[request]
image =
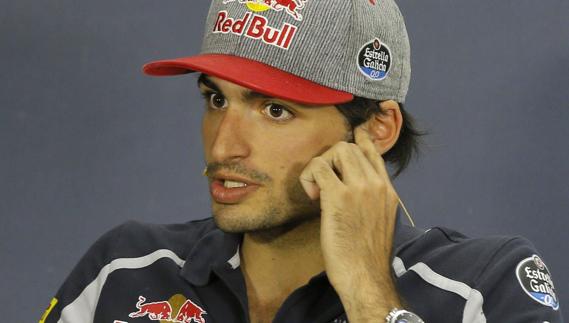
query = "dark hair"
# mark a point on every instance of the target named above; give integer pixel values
(407, 146)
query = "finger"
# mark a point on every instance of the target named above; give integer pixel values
(365, 164)
(343, 158)
(317, 176)
(363, 139)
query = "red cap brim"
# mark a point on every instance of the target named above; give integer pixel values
(251, 74)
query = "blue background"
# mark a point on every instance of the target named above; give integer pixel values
(87, 141)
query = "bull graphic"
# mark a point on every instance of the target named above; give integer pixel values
(190, 312)
(292, 7)
(155, 311)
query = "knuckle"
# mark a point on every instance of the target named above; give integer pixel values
(377, 183)
(313, 165)
(382, 187)
(343, 147)
(320, 165)
(336, 160)
(391, 193)
(344, 193)
(360, 187)
(356, 149)
(318, 161)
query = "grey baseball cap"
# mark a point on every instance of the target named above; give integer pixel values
(307, 51)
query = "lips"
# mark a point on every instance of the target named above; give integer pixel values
(238, 190)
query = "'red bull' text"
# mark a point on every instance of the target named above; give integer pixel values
(256, 27)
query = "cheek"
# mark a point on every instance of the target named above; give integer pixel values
(208, 133)
(301, 141)
(288, 155)
(282, 150)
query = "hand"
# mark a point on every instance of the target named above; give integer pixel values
(358, 205)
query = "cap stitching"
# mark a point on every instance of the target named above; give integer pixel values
(347, 73)
(402, 45)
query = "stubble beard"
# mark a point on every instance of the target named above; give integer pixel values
(277, 214)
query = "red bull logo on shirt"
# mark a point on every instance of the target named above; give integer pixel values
(190, 312)
(291, 7)
(161, 311)
(156, 311)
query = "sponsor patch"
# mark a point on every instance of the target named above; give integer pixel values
(374, 60)
(535, 279)
(256, 27)
(163, 311)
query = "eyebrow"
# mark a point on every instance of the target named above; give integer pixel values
(205, 80)
(252, 95)
(246, 96)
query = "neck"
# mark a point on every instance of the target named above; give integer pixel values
(277, 262)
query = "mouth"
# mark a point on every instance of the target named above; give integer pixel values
(233, 184)
(231, 189)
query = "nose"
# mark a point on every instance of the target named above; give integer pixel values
(231, 142)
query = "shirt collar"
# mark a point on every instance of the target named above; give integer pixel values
(218, 249)
(214, 249)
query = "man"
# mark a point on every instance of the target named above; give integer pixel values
(303, 103)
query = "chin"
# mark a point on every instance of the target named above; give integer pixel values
(267, 225)
(240, 219)
(242, 222)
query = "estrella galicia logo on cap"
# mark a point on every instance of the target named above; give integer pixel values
(374, 60)
(535, 279)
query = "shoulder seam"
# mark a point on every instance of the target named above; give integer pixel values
(83, 308)
(473, 311)
(507, 241)
(116, 242)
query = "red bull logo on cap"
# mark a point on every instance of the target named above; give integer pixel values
(256, 27)
(292, 7)
(189, 312)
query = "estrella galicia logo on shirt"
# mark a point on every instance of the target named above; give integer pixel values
(374, 60)
(187, 312)
(535, 279)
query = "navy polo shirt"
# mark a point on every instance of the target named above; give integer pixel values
(190, 272)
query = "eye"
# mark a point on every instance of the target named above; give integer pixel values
(215, 100)
(277, 112)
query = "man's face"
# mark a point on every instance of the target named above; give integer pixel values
(263, 143)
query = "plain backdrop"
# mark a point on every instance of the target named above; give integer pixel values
(87, 141)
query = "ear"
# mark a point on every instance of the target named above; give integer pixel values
(384, 128)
